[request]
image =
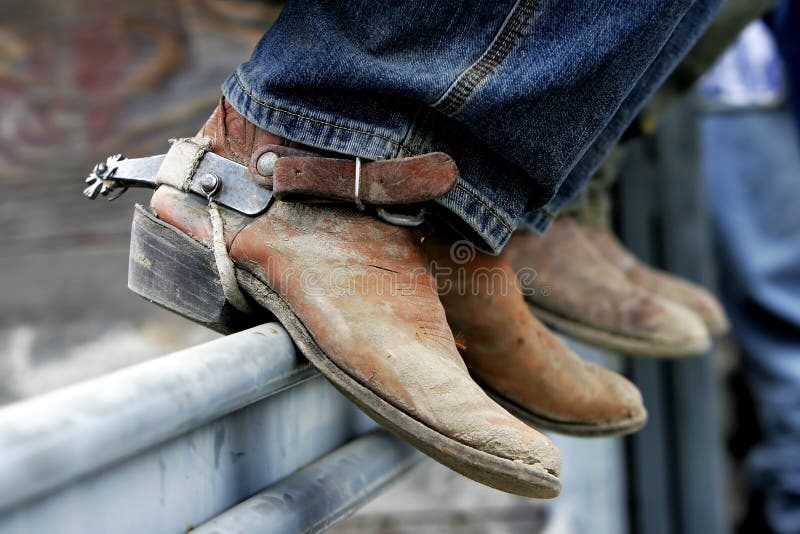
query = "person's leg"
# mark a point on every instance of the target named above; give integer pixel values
(591, 205)
(726, 25)
(752, 167)
(515, 91)
(572, 272)
(687, 31)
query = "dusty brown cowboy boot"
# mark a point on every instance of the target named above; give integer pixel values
(690, 295)
(572, 286)
(517, 359)
(353, 291)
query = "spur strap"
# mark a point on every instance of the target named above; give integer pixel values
(386, 182)
(290, 174)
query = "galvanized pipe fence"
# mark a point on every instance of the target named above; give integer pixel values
(237, 435)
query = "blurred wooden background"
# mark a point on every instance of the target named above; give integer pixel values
(80, 80)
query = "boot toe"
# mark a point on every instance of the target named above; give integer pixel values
(692, 296)
(537, 449)
(669, 326)
(547, 453)
(716, 320)
(497, 432)
(685, 328)
(627, 398)
(708, 308)
(610, 400)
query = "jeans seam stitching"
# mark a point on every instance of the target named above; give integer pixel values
(457, 94)
(468, 83)
(486, 206)
(319, 121)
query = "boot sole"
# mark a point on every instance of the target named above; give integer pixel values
(629, 346)
(163, 253)
(579, 429)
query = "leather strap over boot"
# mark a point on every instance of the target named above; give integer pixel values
(378, 183)
(290, 174)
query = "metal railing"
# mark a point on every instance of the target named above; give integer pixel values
(236, 435)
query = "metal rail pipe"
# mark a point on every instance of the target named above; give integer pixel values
(54, 439)
(322, 493)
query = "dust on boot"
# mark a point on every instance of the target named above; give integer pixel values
(352, 290)
(666, 285)
(517, 359)
(573, 287)
(592, 211)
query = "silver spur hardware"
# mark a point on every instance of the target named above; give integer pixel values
(233, 186)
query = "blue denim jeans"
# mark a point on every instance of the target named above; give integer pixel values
(752, 167)
(527, 96)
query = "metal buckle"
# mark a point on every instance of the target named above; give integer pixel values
(401, 219)
(359, 204)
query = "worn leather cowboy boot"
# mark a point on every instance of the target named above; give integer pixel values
(517, 359)
(353, 291)
(676, 289)
(592, 212)
(577, 290)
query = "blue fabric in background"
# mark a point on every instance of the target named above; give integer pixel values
(749, 74)
(751, 161)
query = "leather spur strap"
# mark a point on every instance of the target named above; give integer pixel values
(386, 182)
(287, 173)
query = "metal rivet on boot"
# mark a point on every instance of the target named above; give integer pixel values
(266, 163)
(209, 183)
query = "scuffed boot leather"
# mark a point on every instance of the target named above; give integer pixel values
(576, 289)
(690, 295)
(356, 296)
(517, 359)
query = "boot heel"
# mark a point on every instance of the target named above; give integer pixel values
(171, 269)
